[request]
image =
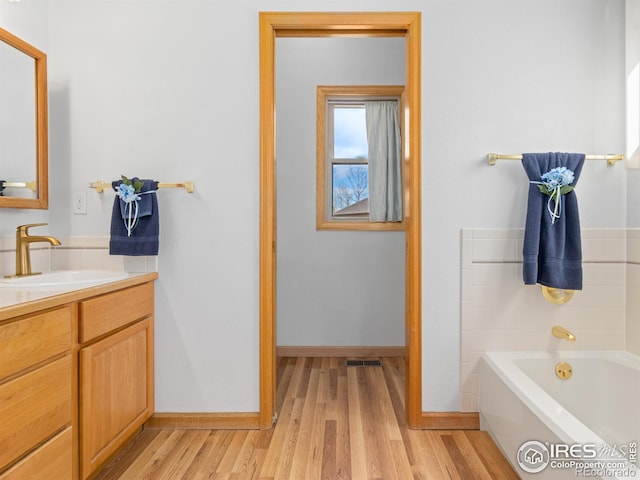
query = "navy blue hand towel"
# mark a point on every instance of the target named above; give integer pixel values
(552, 253)
(144, 239)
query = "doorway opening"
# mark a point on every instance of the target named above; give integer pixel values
(379, 24)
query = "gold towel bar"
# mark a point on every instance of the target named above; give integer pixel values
(189, 186)
(611, 158)
(30, 185)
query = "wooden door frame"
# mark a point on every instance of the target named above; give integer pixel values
(311, 24)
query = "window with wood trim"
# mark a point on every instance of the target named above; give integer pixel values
(342, 183)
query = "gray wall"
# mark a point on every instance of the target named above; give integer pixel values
(335, 288)
(632, 76)
(170, 89)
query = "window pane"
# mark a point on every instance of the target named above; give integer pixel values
(350, 189)
(349, 132)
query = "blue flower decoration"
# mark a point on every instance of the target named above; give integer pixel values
(558, 177)
(127, 193)
(555, 183)
(128, 189)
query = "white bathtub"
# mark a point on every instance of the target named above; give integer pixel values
(585, 422)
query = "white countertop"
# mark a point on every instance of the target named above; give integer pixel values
(13, 297)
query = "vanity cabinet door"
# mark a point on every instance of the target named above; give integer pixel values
(116, 392)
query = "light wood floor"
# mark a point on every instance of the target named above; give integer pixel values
(335, 422)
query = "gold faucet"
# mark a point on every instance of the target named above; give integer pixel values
(23, 257)
(562, 332)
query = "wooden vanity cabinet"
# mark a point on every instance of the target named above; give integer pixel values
(116, 372)
(36, 396)
(76, 379)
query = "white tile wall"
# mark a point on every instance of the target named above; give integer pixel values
(499, 312)
(632, 337)
(77, 253)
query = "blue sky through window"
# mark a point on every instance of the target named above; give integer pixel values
(350, 179)
(349, 132)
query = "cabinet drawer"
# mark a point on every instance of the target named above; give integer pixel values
(103, 314)
(53, 461)
(26, 342)
(33, 407)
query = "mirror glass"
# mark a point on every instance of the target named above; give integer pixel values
(23, 124)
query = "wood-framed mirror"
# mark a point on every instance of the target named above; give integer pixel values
(23, 124)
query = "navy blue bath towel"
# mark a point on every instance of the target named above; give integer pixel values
(144, 239)
(552, 253)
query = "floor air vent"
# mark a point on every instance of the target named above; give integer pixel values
(364, 363)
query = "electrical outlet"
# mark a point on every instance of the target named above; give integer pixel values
(79, 203)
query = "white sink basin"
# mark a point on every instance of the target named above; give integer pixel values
(64, 278)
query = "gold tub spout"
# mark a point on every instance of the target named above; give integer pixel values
(562, 332)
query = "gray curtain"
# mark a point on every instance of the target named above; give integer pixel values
(385, 166)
